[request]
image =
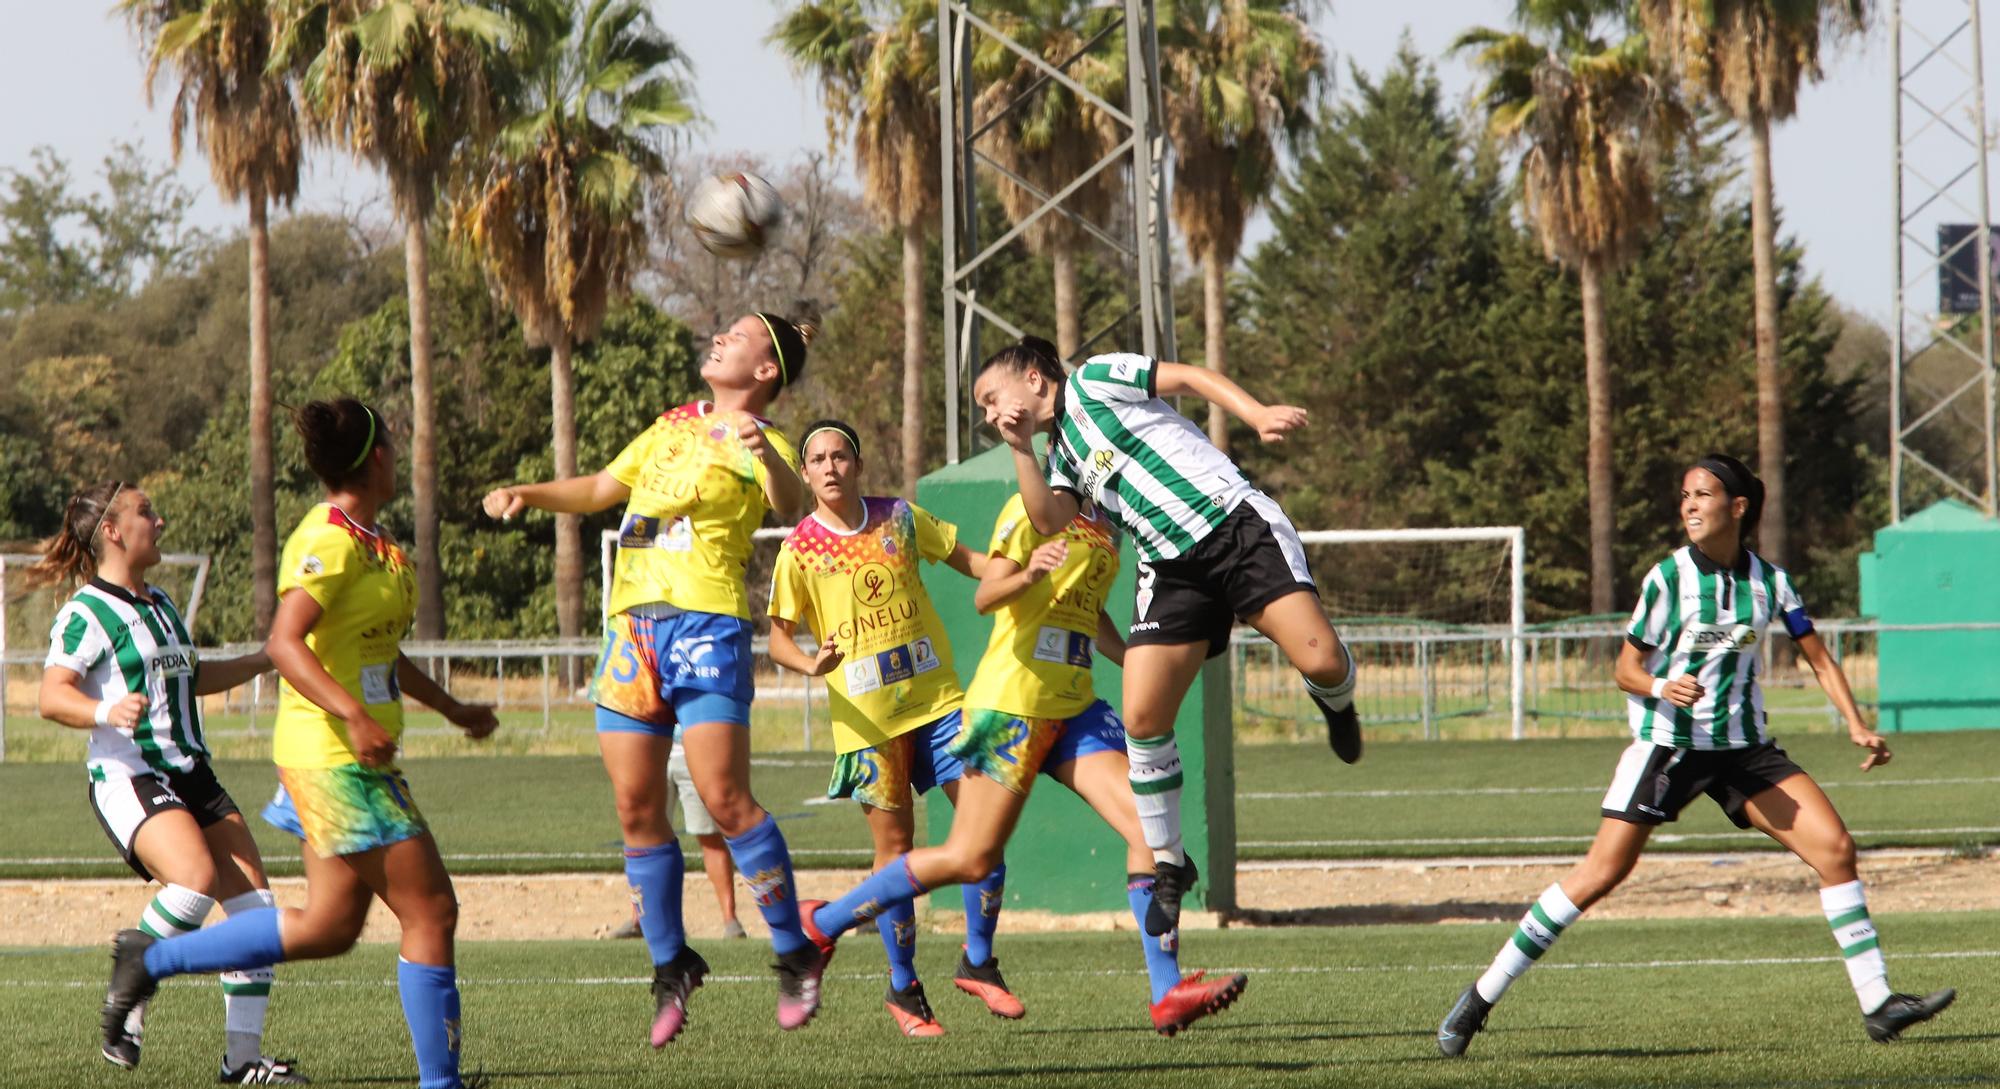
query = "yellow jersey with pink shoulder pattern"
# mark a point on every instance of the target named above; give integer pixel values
(1037, 662)
(367, 594)
(863, 588)
(697, 496)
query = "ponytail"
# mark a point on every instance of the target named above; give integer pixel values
(70, 557)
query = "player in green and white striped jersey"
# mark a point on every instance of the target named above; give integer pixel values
(1689, 670)
(122, 665)
(1212, 550)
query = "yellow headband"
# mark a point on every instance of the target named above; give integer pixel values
(784, 373)
(851, 440)
(366, 446)
(116, 490)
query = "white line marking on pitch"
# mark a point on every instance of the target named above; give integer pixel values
(1283, 969)
(1667, 837)
(1290, 795)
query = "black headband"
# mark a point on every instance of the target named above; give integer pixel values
(1732, 481)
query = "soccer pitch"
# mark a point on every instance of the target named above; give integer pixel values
(1752, 1003)
(504, 813)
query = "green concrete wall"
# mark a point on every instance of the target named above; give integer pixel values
(1939, 566)
(1062, 857)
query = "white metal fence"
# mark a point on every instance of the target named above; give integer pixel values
(1415, 683)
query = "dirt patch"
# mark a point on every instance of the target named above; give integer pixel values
(580, 906)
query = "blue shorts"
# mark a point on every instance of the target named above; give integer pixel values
(886, 775)
(656, 674)
(1012, 751)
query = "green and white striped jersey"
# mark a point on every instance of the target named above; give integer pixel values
(118, 644)
(1694, 616)
(1148, 467)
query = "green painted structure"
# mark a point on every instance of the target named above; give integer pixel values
(1062, 857)
(1939, 566)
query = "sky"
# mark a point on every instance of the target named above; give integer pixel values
(1834, 171)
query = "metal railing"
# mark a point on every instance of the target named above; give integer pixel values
(1416, 683)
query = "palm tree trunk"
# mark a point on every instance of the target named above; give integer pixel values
(1597, 466)
(913, 357)
(263, 499)
(423, 434)
(1212, 285)
(1770, 382)
(1069, 324)
(569, 527)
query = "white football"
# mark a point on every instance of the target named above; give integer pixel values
(735, 215)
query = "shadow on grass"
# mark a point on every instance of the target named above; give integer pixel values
(1375, 914)
(1628, 1053)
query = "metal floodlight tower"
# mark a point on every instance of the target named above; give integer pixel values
(1941, 379)
(1143, 149)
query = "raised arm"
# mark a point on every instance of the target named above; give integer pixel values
(576, 495)
(1271, 422)
(783, 489)
(1006, 580)
(1633, 676)
(62, 702)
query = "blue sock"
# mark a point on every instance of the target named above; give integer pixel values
(766, 867)
(982, 914)
(898, 924)
(655, 875)
(1163, 959)
(242, 941)
(892, 884)
(430, 1005)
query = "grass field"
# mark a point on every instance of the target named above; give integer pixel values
(510, 814)
(1754, 1003)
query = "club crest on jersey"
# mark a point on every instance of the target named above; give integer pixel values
(873, 584)
(311, 565)
(1103, 459)
(1716, 638)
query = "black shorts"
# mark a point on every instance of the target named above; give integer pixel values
(1654, 783)
(123, 805)
(1252, 559)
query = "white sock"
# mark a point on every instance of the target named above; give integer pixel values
(1336, 696)
(1545, 921)
(1846, 908)
(173, 911)
(246, 996)
(1156, 786)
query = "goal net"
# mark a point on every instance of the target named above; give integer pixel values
(26, 614)
(1434, 617)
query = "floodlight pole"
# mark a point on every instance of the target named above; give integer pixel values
(1929, 415)
(1143, 151)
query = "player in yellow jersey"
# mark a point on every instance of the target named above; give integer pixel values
(677, 657)
(1032, 710)
(346, 596)
(848, 573)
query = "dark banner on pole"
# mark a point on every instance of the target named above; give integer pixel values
(1958, 267)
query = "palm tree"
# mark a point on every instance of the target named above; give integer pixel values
(1750, 57)
(876, 63)
(1237, 77)
(401, 83)
(1588, 116)
(554, 205)
(246, 124)
(1054, 137)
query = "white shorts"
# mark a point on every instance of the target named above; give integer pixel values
(695, 820)
(122, 805)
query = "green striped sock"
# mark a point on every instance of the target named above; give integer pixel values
(1846, 909)
(1156, 787)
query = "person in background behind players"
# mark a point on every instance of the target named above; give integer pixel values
(1690, 669)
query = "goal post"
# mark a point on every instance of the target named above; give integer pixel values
(24, 629)
(1513, 538)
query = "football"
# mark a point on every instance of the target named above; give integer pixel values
(735, 215)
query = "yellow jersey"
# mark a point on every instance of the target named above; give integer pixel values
(863, 589)
(1037, 662)
(367, 594)
(697, 496)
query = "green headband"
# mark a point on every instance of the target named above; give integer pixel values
(852, 440)
(784, 372)
(368, 446)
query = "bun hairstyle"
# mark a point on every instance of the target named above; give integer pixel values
(789, 340)
(838, 427)
(70, 557)
(1032, 353)
(339, 435)
(1737, 480)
